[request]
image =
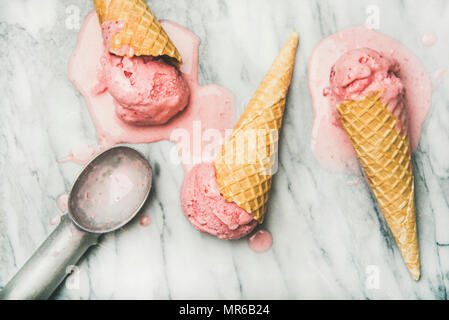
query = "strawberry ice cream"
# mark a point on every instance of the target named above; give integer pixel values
(206, 208)
(359, 72)
(362, 71)
(146, 90)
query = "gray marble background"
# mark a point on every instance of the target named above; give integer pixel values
(330, 238)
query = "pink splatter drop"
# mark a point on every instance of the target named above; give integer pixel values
(83, 154)
(55, 220)
(438, 76)
(260, 241)
(429, 39)
(145, 221)
(62, 202)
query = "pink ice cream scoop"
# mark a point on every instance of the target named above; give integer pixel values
(361, 71)
(146, 90)
(206, 208)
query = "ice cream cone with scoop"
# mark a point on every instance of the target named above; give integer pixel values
(139, 65)
(229, 197)
(369, 98)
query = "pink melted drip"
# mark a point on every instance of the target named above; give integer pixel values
(62, 202)
(210, 111)
(331, 146)
(82, 154)
(145, 221)
(429, 39)
(260, 241)
(55, 220)
(438, 76)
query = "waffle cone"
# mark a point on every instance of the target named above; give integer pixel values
(141, 34)
(382, 146)
(245, 165)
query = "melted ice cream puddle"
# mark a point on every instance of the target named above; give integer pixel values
(210, 109)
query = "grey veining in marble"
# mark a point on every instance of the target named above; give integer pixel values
(329, 236)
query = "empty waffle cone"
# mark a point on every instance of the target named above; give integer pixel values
(245, 165)
(140, 34)
(383, 149)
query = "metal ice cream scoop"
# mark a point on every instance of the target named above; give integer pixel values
(107, 194)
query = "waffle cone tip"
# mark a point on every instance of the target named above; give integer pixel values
(140, 34)
(415, 272)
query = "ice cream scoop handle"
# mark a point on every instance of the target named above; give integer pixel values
(50, 264)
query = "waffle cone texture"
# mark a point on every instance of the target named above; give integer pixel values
(383, 150)
(246, 163)
(141, 34)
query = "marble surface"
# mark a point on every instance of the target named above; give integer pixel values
(330, 240)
